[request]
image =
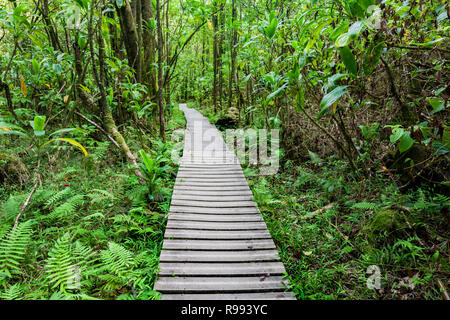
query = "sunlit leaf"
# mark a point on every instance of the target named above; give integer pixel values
(71, 141)
(23, 86)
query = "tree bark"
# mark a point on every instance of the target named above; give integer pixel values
(129, 35)
(160, 72)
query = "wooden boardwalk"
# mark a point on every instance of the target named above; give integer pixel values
(216, 244)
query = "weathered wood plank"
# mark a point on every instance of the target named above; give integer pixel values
(180, 187)
(230, 296)
(217, 234)
(220, 284)
(193, 197)
(213, 204)
(197, 225)
(221, 269)
(217, 245)
(218, 256)
(237, 183)
(213, 210)
(212, 192)
(215, 217)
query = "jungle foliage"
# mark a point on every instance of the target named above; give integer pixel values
(359, 90)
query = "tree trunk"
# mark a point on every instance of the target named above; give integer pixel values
(160, 72)
(129, 35)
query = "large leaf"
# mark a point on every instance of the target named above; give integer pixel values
(437, 104)
(271, 28)
(349, 60)
(148, 162)
(38, 125)
(331, 98)
(405, 142)
(396, 134)
(276, 92)
(71, 141)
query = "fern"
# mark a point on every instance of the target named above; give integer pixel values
(365, 206)
(67, 208)
(118, 265)
(117, 259)
(15, 292)
(57, 197)
(64, 260)
(13, 246)
(11, 207)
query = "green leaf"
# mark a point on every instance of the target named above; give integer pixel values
(364, 4)
(396, 134)
(71, 141)
(38, 125)
(405, 142)
(271, 28)
(338, 31)
(437, 104)
(276, 92)
(349, 60)
(148, 162)
(331, 98)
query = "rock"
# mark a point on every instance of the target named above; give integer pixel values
(230, 120)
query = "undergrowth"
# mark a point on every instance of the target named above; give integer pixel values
(91, 231)
(330, 230)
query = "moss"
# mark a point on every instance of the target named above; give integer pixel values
(12, 169)
(385, 220)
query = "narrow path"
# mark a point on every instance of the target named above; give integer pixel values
(216, 245)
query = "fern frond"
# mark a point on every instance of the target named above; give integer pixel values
(57, 197)
(59, 262)
(365, 206)
(15, 292)
(67, 261)
(117, 259)
(13, 246)
(67, 208)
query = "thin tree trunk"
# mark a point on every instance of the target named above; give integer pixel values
(160, 72)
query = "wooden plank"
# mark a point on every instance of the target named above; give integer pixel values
(184, 183)
(211, 188)
(230, 296)
(206, 167)
(216, 245)
(226, 193)
(220, 284)
(214, 204)
(218, 256)
(203, 225)
(216, 235)
(209, 173)
(174, 208)
(221, 269)
(215, 217)
(194, 197)
(215, 178)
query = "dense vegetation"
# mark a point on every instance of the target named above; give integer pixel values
(359, 90)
